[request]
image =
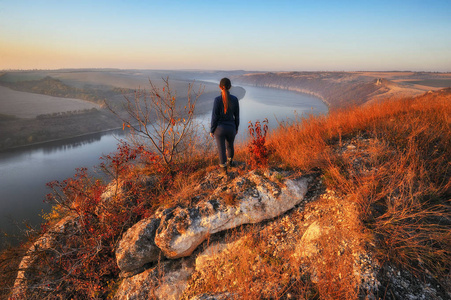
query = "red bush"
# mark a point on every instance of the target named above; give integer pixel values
(257, 149)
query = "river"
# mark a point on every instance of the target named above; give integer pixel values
(24, 172)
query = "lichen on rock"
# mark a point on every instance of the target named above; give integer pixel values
(186, 228)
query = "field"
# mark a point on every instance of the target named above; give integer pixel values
(38, 106)
(409, 84)
(29, 105)
(25, 99)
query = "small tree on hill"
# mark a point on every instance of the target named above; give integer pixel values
(159, 118)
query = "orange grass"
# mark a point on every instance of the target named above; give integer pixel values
(306, 143)
(254, 266)
(393, 160)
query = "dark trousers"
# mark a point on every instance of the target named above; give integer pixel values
(225, 136)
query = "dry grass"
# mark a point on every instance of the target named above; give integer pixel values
(9, 264)
(393, 160)
(254, 265)
(333, 259)
(307, 254)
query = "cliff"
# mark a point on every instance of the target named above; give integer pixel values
(352, 206)
(337, 89)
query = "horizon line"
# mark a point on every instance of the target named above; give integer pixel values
(217, 70)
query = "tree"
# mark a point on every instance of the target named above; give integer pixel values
(158, 117)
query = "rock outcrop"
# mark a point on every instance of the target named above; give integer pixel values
(178, 231)
(167, 256)
(182, 229)
(28, 278)
(137, 246)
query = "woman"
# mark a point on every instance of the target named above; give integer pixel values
(225, 120)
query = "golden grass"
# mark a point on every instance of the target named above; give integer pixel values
(393, 160)
(275, 261)
(306, 143)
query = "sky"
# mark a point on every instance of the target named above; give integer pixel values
(279, 35)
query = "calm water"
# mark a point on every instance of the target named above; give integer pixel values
(25, 172)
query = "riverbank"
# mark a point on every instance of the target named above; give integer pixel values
(84, 136)
(18, 132)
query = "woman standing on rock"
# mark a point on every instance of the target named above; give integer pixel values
(225, 120)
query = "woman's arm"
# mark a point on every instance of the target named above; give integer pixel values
(215, 115)
(237, 115)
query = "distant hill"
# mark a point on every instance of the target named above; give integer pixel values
(33, 119)
(55, 87)
(344, 89)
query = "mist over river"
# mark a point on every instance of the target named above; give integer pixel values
(24, 172)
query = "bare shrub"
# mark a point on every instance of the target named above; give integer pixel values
(161, 120)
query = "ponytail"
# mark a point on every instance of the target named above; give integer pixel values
(225, 85)
(225, 100)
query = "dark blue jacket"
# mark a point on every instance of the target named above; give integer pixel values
(232, 117)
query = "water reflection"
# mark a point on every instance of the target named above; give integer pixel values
(80, 142)
(24, 173)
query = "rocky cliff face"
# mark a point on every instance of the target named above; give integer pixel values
(178, 231)
(336, 89)
(175, 253)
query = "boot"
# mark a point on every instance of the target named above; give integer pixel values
(230, 162)
(223, 170)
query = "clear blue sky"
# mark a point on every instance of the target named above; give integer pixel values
(278, 35)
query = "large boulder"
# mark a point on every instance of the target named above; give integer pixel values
(255, 198)
(137, 246)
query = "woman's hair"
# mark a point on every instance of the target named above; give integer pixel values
(226, 84)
